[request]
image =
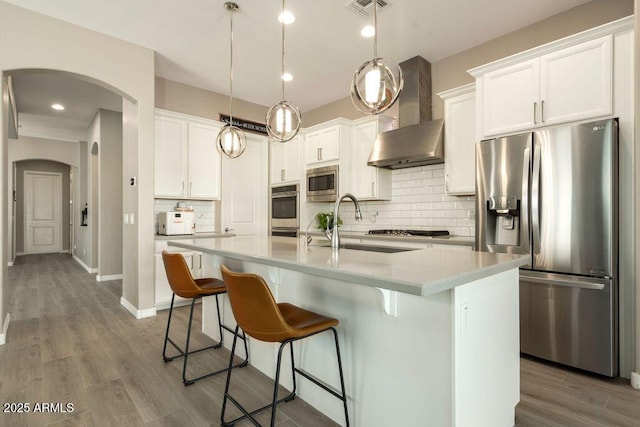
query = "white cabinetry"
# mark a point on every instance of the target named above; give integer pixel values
(163, 291)
(245, 196)
(564, 85)
(367, 182)
(460, 139)
(322, 142)
(576, 83)
(285, 161)
(187, 163)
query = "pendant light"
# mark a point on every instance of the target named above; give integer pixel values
(283, 119)
(377, 83)
(231, 140)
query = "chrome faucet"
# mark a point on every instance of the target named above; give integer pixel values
(335, 237)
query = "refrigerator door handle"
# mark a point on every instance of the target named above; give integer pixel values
(535, 198)
(524, 212)
(565, 282)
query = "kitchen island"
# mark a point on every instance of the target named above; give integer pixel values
(429, 336)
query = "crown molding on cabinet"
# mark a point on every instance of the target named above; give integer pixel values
(460, 90)
(612, 27)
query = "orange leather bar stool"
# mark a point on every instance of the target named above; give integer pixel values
(260, 317)
(184, 285)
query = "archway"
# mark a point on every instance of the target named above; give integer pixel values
(126, 69)
(92, 114)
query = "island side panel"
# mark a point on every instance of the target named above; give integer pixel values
(487, 351)
(398, 369)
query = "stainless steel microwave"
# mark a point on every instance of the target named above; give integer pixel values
(322, 184)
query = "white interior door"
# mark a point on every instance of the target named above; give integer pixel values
(245, 190)
(42, 212)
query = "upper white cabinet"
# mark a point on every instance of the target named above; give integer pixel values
(509, 98)
(576, 83)
(459, 139)
(568, 84)
(367, 182)
(322, 142)
(187, 163)
(285, 161)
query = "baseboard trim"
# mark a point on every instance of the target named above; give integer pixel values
(635, 380)
(100, 278)
(85, 266)
(138, 314)
(5, 328)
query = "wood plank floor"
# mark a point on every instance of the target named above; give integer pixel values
(71, 342)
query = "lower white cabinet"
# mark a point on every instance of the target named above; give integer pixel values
(163, 290)
(460, 140)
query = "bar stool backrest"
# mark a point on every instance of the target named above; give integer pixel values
(179, 276)
(254, 307)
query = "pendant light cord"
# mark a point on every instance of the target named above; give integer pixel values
(282, 75)
(231, 67)
(375, 29)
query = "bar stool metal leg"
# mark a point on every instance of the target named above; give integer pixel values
(275, 401)
(185, 353)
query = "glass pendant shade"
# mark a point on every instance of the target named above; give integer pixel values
(231, 141)
(376, 85)
(283, 121)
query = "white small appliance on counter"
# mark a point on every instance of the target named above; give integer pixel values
(175, 223)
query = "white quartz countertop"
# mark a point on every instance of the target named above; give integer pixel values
(417, 272)
(445, 240)
(213, 235)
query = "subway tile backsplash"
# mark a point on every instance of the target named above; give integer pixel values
(418, 202)
(205, 213)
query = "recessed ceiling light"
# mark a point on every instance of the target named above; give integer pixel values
(287, 77)
(58, 107)
(368, 31)
(286, 17)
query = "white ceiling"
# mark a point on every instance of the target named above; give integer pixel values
(323, 46)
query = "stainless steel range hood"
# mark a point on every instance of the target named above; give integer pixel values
(418, 140)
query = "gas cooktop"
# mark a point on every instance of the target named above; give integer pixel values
(428, 233)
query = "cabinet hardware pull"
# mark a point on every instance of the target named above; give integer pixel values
(281, 174)
(373, 188)
(535, 107)
(542, 111)
(190, 188)
(182, 188)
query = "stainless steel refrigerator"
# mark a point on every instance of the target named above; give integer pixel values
(553, 194)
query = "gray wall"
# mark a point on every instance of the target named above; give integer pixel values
(102, 189)
(182, 98)
(110, 194)
(41, 166)
(82, 235)
(637, 187)
(451, 72)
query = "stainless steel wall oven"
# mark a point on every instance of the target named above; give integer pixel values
(285, 210)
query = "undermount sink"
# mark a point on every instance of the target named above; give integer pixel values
(369, 248)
